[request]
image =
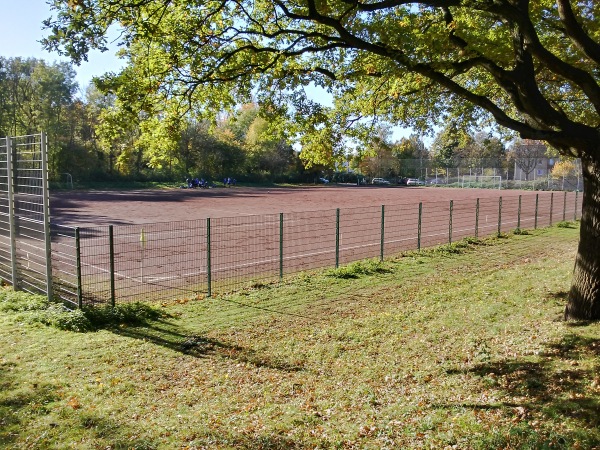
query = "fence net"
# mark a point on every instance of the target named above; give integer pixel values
(6, 272)
(24, 218)
(187, 259)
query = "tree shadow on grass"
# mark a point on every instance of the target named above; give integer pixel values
(554, 387)
(169, 335)
(17, 403)
(25, 404)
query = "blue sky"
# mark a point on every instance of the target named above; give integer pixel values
(21, 31)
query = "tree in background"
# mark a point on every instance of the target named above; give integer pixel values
(527, 154)
(208, 154)
(531, 67)
(564, 169)
(267, 152)
(36, 96)
(451, 145)
(412, 155)
(379, 159)
(490, 151)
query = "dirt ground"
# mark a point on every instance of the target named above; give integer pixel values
(92, 208)
(164, 246)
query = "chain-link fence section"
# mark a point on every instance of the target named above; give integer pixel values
(534, 172)
(162, 261)
(187, 259)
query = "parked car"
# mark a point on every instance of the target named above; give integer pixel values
(324, 180)
(437, 181)
(379, 181)
(414, 182)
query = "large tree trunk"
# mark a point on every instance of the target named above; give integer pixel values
(584, 297)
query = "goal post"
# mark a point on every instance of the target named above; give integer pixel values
(66, 178)
(482, 181)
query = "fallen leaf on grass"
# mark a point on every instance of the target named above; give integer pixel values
(74, 403)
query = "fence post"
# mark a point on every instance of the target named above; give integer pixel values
(111, 250)
(337, 238)
(382, 231)
(499, 216)
(450, 222)
(537, 202)
(78, 268)
(419, 227)
(551, 206)
(519, 215)
(575, 214)
(280, 246)
(477, 219)
(46, 212)
(208, 262)
(11, 214)
(565, 207)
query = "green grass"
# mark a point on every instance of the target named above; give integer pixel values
(456, 347)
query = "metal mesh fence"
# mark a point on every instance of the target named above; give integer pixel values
(175, 260)
(401, 228)
(6, 272)
(488, 217)
(493, 174)
(64, 264)
(244, 249)
(463, 219)
(359, 234)
(435, 222)
(161, 261)
(309, 240)
(24, 222)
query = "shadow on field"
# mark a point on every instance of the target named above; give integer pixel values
(69, 199)
(169, 335)
(67, 206)
(18, 402)
(25, 404)
(554, 386)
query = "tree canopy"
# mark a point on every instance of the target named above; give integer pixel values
(530, 66)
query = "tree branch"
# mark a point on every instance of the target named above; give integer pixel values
(576, 32)
(532, 44)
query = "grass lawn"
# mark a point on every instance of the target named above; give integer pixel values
(458, 347)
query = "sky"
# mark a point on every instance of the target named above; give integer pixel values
(21, 30)
(20, 33)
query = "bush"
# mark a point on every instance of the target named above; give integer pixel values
(94, 318)
(21, 301)
(566, 224)
(33, 308)
(57, 316)
(357, 269)
(123, 314)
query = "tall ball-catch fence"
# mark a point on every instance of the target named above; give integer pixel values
(25, 245)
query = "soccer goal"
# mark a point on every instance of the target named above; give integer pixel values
(482, 181)
(66, 179)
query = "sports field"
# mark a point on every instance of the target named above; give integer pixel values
(92, 208)
(164, 244)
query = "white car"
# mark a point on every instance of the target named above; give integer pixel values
(414, 182)
(379, 181)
